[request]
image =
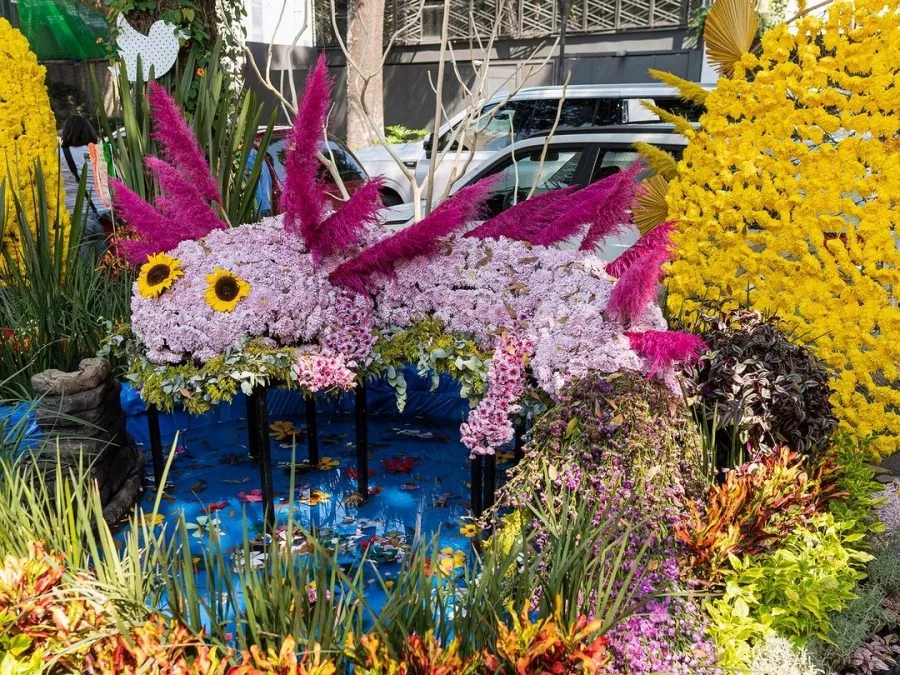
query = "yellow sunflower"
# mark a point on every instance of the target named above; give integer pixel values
(225, 290)
(158, 274)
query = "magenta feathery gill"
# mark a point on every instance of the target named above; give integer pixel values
(419, 239)
(663, 348)
(612, 213)
(343, 228)
(525, 219)
(180, 145)
(637, 287)
(303, 200)
(652, 239)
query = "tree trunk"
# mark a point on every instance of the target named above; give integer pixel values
(565, 8)
(364, 42)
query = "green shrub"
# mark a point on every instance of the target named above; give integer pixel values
(50, 305)
(791, 591)
(397, 133)
(884, 570)
(857, 483)
(866, 616)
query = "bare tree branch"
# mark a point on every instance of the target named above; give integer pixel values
(562, 100)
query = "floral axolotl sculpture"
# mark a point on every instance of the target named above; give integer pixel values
(319, 298)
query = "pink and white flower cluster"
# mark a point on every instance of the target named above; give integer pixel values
(489, 426)
(316, 371)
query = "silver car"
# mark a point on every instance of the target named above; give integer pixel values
(574, 157)
(530, 111)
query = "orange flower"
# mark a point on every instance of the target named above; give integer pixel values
(201, 71)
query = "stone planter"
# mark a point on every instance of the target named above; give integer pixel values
(80, 413)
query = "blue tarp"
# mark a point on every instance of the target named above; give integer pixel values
(443, 404)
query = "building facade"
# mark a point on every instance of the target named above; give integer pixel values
(608, 41)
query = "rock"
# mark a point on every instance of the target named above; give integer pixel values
(86, 406)
(79, 402)
(91, 373)
(892, 463)
(99, 420)
(90, 446)
(878, 470)
(130, 466)
(885, 478)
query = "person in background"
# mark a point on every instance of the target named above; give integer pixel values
(79, 153)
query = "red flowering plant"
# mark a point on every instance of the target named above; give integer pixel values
(547, 645)
(45, 620)
(757, 506)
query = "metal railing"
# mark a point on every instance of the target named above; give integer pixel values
(516, 18)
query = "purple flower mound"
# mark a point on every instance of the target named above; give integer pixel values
(290, 300)
(631, 455)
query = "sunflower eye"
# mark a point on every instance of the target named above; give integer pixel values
(225, 290)
(158, 274)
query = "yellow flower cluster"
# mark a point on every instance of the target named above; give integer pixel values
(27, 134)
(788, 194)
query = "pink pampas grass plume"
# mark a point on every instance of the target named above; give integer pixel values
(663, 348)
(180, 145)
(303, 200)
(342, 229)
(610, 215)
(637, 286)
(419, 239)
(599, 206)
(652, 239)
(154, 232)
(182, 203)
(525, 219)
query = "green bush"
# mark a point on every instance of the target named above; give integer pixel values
(791, 591)
(51, 305)
(866, 615)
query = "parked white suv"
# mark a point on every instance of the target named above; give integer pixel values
(532, 110)
(574, 157)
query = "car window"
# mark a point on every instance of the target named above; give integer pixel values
(348, 168)
(494, 132)
(515, 180)
(609, 111)
(574, 113)
(613, 161)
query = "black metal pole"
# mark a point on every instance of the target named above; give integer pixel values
(519, 448)
(490, 480)
(362, 440)
(260, 431)
(477, 488)
(159, 464)
(312, 430)
(252, 447)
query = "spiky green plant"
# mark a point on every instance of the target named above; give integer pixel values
(226, 122)
(51, 303)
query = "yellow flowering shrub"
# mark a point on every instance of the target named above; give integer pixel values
(27, 134)
(787, 196)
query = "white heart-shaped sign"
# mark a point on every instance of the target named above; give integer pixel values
(158, 49)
